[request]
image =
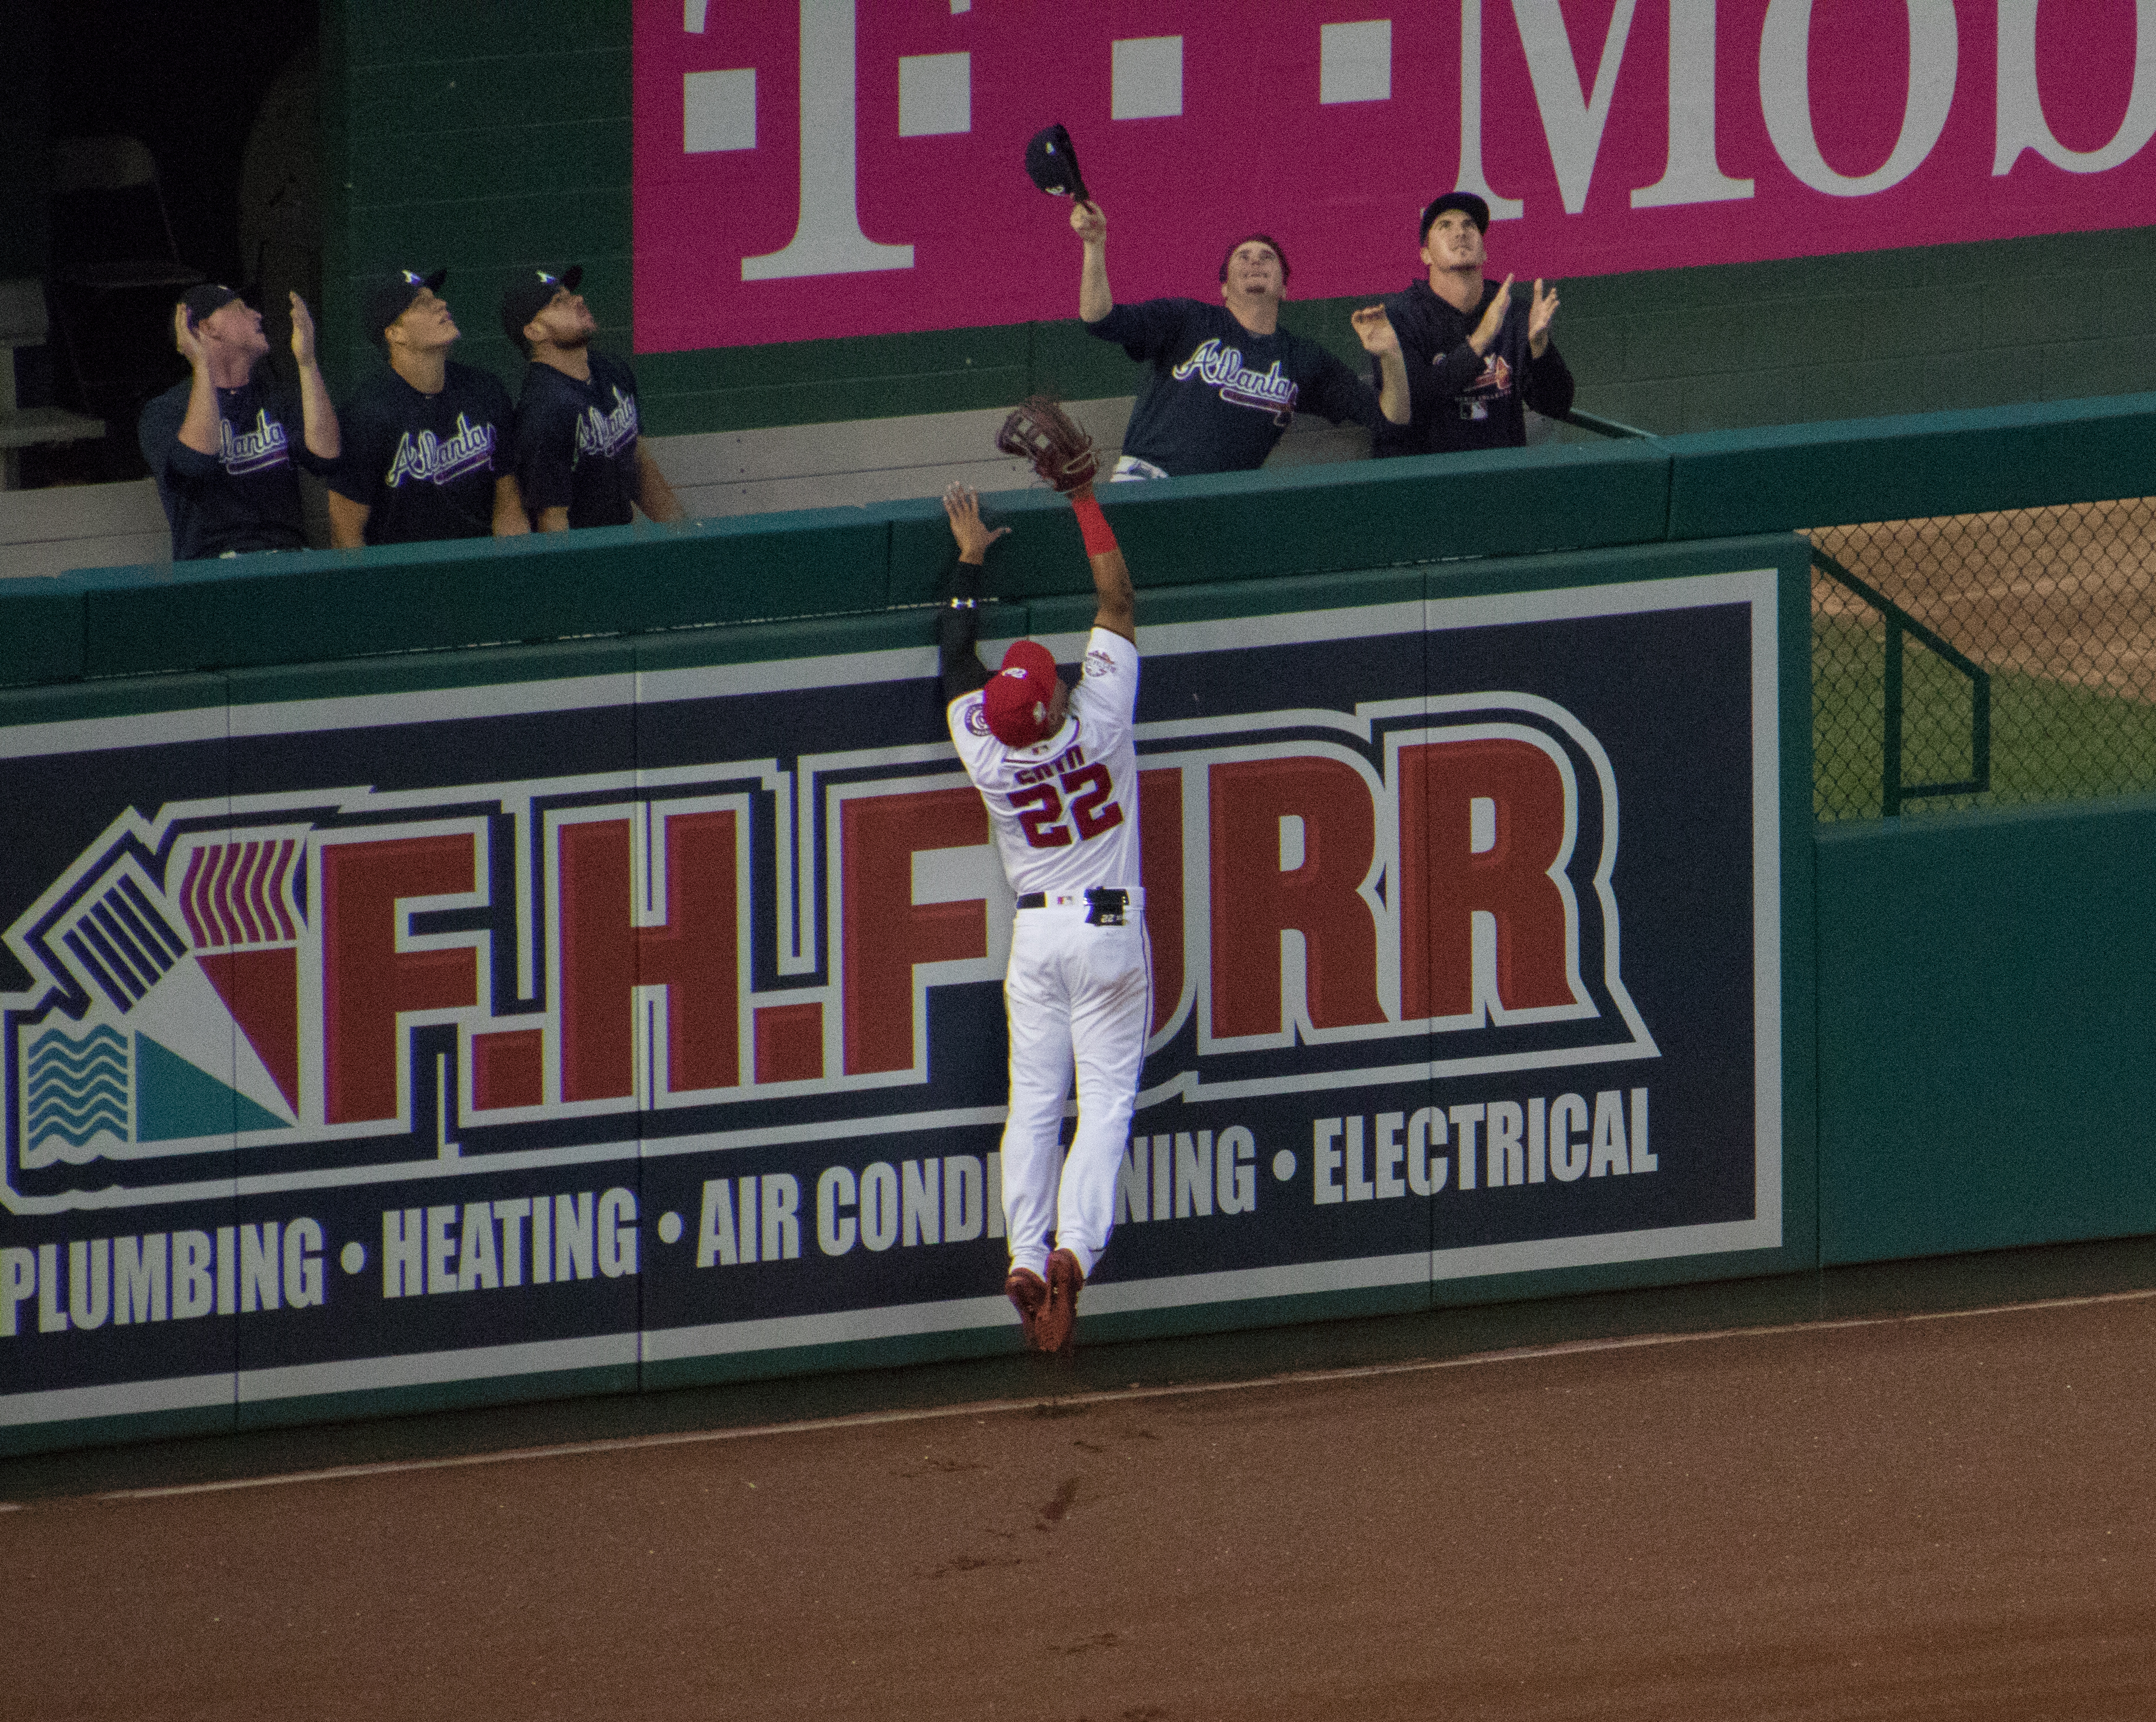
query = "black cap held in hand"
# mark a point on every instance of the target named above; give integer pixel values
(1052, 164)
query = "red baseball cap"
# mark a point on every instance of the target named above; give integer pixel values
(1017, 699)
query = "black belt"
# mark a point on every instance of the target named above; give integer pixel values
(1104, 907)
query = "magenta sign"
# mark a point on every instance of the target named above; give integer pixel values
(811, 168)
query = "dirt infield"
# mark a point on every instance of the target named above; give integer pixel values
(2065, 593)
(1936, 1517)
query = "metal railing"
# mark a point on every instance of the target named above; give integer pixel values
(1900, 627)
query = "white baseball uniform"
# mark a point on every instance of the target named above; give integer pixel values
(1079, 991)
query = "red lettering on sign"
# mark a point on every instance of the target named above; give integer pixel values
(1255, 901)
(1160, 869)
(790, 1043)
(509, 1069)
(367, 981)
(1443, 881)
(695, 956)
(884, 933)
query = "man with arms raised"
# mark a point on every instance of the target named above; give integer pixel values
(1474, 359)
(425, 441)
(220, 446)
(1226, 380)
(1058, 770)
(575, 451)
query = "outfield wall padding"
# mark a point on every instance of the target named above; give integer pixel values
(312, 605)
(394, 1032)
(1987, 994)
(1948, 1058)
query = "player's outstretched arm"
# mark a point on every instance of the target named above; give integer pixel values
(1095, 300)
(318, 418)
(958, 627)
(1111, 576)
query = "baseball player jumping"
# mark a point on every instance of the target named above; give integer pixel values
(1056, 766)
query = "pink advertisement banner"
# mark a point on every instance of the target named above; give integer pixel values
(811, 168)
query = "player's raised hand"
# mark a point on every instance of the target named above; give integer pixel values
(962, 504)
(303, 333)
(1088, 223)
(1493, 319)
(1375, 331)
(185, 341)
(1539, 315)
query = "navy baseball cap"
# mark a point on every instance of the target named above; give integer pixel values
(1472, 205)
(530, 293)
(387, 297)
(206, 300)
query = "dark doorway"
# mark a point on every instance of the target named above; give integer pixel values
(193, 86)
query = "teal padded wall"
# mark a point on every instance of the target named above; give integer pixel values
(1987, 994)
(1295, 521)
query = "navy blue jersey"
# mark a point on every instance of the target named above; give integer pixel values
(424, 465)
(245, 496)
(1217, 396)
(574, 446)
(1459, 400)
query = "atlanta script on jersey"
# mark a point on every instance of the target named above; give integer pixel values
(1065, 811)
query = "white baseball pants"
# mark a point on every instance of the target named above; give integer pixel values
(1079, 999)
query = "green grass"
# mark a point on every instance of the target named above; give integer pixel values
(2050, 742)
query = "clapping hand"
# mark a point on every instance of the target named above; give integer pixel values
(1539, 315)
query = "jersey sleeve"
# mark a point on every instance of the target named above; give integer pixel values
(1546, 382)
(543, 449)
(282, 401)
(167, 456)
(492, 395)
(1145, 331)
(1338, 393)
(969, 734)
(1107, 696)
(366, 439)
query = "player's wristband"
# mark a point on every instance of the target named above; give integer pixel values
(1092, 524)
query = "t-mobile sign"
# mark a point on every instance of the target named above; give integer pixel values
(810, 169)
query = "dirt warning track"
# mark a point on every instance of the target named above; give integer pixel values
(1938, 1517)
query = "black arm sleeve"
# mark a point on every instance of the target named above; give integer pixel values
(957, 628)
(1548, 385)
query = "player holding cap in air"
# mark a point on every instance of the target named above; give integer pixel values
(1056, 767)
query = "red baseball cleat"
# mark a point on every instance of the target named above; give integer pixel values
(1028, 1294)
(1056, 1325)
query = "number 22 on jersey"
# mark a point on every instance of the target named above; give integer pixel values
(1084, 794)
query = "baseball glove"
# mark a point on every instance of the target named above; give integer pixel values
(1040, 432)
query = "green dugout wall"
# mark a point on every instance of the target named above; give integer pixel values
(1943, 1021)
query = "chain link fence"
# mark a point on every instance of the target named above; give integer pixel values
(1984, 660)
